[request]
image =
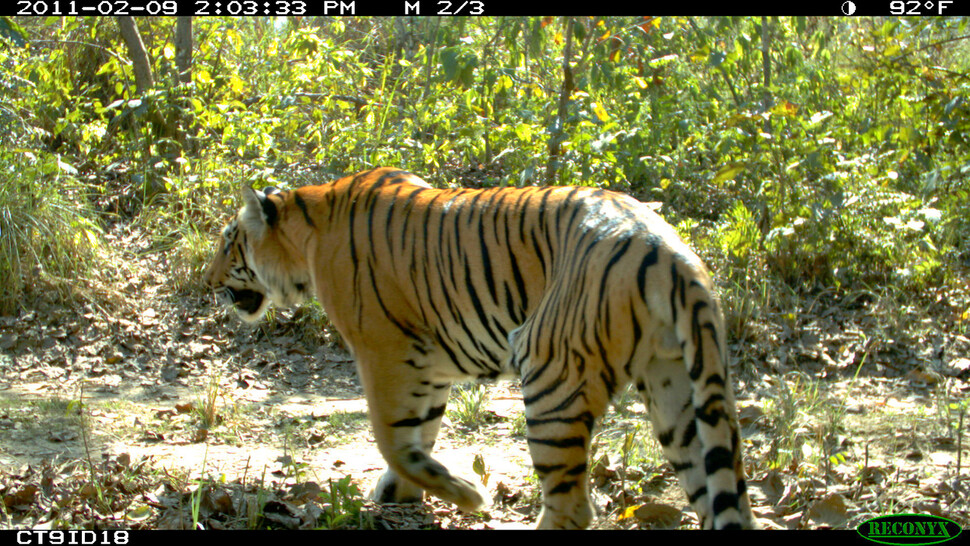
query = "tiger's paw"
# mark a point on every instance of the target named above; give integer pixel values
(391, 488)
(465, 494)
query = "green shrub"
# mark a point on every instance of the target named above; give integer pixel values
(48, 238)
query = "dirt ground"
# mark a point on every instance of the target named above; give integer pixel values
(117, 392)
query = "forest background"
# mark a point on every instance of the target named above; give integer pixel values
(820, 166)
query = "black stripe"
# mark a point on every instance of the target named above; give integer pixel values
(617, 256)
(681, 466)
(689, 434)
(648, 261)
(711, 412)
(405, 328)
(724, 501)
(677, 283)
(697, 368)
(543, 469)
(718, 458)
(564, 487)
(586, 418)
(412, 363)
(607, 373)
(535, 373)
(487, 267)
(561, 443)
(397, 176)
(480, 312)
(410, 422)
(577, 470)
(692, 498)
(432, 414)
(301, 203)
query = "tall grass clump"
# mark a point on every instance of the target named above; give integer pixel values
(48, 241)
(184, 220)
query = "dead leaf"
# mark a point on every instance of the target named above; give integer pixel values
(165, 413)
(315, 437)
(748, 415)
(920, 376)
(200, 435)
(218, 500)
(62, 435)
(830, 511)
(22, 498)
(88, 490)
(282, 513)
(771, 486)
(140, 513)
(657, 515)
(303, 492)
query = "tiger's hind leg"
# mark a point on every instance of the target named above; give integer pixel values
(559, 445)
(561, 408)
(667, 392)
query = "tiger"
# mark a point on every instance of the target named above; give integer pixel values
(575, 291)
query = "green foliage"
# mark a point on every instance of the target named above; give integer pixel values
(807, 424)
(343, 506)
(468, 405)
(48, 239)
(840, 162)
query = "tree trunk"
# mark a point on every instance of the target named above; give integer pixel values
(766, 65)
(139, 57)
(556, 138)
(183, 48)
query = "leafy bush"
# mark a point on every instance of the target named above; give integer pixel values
(818, 152)
(48, 238)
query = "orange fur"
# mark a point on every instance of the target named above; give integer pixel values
(575, 291)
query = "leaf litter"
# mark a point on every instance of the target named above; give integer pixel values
(846, 416)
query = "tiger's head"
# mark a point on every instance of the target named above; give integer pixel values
(255, 263)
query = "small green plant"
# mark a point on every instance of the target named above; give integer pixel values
(190, 258)
(519, 427)
(195, 497)
(806, 423)
(478, 466)
(951, 412)
(343, 505)
(207, 404)
(76, 410)
(468, 405)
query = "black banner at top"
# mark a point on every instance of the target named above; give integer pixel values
(346, 8)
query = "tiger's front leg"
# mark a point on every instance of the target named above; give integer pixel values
(392, 488)
(405, 404)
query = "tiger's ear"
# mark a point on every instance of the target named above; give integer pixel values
(259, 212)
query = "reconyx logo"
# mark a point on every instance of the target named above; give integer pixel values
(909, 529)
